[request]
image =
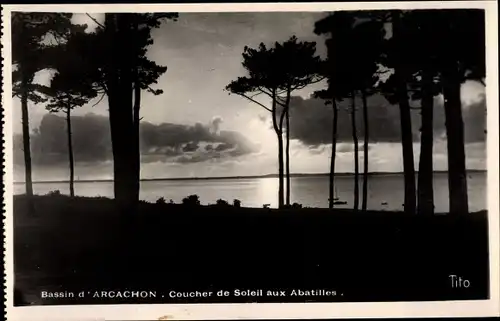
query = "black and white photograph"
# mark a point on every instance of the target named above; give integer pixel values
(163, 156)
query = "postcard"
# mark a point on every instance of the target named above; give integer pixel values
(233, 161)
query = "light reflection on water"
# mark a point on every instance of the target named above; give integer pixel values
(254, 192)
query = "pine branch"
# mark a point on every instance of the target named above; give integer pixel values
(94, 19)
(254, 101)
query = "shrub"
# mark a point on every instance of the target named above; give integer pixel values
(191, 200)
(292, 206)
(161, 200)
(54, 193)
(171, 201)
(221, 202)
(236, 203)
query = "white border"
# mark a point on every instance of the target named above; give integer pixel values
(489, 307)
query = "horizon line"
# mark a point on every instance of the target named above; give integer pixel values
(236, 177)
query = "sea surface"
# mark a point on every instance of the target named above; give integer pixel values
(385, 191)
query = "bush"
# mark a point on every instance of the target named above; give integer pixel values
(237, 203)
(221, 202)
(171, 201)
(161, 200)
(266, 205)
(191, 200)
(54, 193)
(293, 206)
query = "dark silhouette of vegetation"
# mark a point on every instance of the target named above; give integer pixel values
(301, 68)
(331, 95)
(356, 152)
(191, 200)
(354, 48)
(277, 72)
(421, 54)
(456, 64)
(117, 67)
(267, 253)
(362, 47)
(428, 44)
(29, 29)
(221, 202)
(54, 193)
(161, 200)
(67, 92)
(366, 138)
(398, 82)
(293, 206)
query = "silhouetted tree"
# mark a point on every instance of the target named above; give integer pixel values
(263, 79)
(330, 98)
(66, 94)
(300, 67)
(457, 63)
(354, 48)
(401, 76)
(335, 70)
(395, 89)
(66, 91)
(116, 53)
(356, 153)
(425, 190)
(29, 29)
(367, 41)
(365, 150)
(421, 59)
(275, 72)
(438, 60)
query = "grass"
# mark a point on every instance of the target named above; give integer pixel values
(74, 244)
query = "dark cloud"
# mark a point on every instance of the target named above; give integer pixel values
(194, 30)
(190, 147)
(222, 147)
(163, 142)
(311, 121)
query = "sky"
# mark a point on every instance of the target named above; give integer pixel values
(196, 129)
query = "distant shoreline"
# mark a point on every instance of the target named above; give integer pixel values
(244, 177)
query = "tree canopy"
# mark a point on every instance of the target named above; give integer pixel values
(287, 66)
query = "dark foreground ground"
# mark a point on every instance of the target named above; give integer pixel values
(82, 244)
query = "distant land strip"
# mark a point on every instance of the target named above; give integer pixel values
(249, 177)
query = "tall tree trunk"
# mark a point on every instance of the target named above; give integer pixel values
(120, 109)
(70, 154)
(279, 134)
(457, 179)
(288, 183)
(365, 151)
(280, 170)
(26, 137)
(331, 198)
(356, 153)
(410, 201)
(136, 115)
(425, 166)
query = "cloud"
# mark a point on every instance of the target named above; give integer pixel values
(311, 121)
(159, 142)
(215, 124)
